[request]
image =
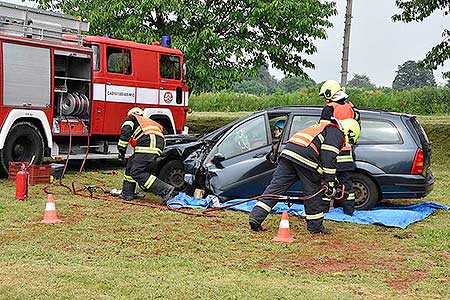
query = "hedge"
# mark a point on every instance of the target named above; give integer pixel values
(422, 101)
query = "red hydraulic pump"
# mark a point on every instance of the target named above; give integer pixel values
(22, 183)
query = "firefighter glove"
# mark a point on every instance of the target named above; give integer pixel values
(351, 137)
(121, 155)
(330, 189)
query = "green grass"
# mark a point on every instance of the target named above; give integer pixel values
(108, 250)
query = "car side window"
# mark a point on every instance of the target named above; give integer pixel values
(302, 122)
(378, 132)
(246, 137)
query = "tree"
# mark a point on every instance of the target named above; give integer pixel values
(418, 10)
(411, 75)
(223, 40)
(361, 81)
(294, 83)
(250, 86)
(261, 83)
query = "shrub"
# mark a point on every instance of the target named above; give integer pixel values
(424, 101)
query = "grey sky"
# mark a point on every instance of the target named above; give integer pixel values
(377, 45)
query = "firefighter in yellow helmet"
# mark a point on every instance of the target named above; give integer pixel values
(147, 139)
(339, 107)
(309, 156)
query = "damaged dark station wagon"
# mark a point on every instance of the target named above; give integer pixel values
(393, 156)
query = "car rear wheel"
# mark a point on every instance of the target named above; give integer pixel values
(173, 173)
(366, 192)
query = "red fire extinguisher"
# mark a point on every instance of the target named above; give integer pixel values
(22, 183)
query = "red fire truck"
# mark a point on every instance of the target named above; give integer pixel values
(61, 90)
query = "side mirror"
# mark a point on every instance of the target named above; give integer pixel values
(217, 160)
(185, 70)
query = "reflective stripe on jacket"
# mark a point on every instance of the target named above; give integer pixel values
(316, 148)
(306, 136)
(146, 127)
(144, 135)
(345, 160)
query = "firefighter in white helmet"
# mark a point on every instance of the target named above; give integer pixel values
(147, 139)
(339, 107)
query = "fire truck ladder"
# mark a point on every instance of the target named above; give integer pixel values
(40, 24)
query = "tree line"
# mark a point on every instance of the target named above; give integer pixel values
(410, 75)
(227, 42)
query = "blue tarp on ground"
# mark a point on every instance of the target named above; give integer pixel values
(400, 216)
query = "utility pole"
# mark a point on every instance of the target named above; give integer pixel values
(345, 50)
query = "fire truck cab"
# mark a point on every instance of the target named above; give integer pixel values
(128, 74)
(65, 95)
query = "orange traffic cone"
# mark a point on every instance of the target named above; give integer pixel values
(284, 233)
(50, 216)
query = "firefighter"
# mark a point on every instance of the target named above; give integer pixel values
(309, 156)
(277, 131)
(147, 139)
(339, 107)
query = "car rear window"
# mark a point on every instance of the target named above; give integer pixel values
(379, 132)
(420, 131)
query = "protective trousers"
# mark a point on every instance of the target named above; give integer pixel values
(137, 170)
(286, 174)
(348, 202)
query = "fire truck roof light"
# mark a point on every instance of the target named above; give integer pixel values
(166, 41)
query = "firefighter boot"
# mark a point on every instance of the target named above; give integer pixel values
(137, 195)
(254, 225)
(259, 213)
(128, 191)
(168, 194)
(349, 207)
(316, 227)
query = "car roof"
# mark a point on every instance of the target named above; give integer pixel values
(316, 109)
(302, 109)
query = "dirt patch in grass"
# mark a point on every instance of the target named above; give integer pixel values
(7, 281)
(446, 256)
(76, 214)
(404, 280)
(219, 224)
(331, 264)
(349, 247)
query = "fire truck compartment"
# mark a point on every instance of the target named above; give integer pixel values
(26, 76)
(72, 73)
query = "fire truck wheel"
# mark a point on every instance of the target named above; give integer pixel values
(173, 173)
(24, 141)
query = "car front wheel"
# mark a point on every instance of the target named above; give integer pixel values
(173, 173)
(366, 192)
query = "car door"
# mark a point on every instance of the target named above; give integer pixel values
(244, 170)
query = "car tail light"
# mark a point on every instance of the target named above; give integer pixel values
(417, 167)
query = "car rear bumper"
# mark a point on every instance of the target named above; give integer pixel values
(395, 186)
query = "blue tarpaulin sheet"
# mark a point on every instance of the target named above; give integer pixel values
(400, 216)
